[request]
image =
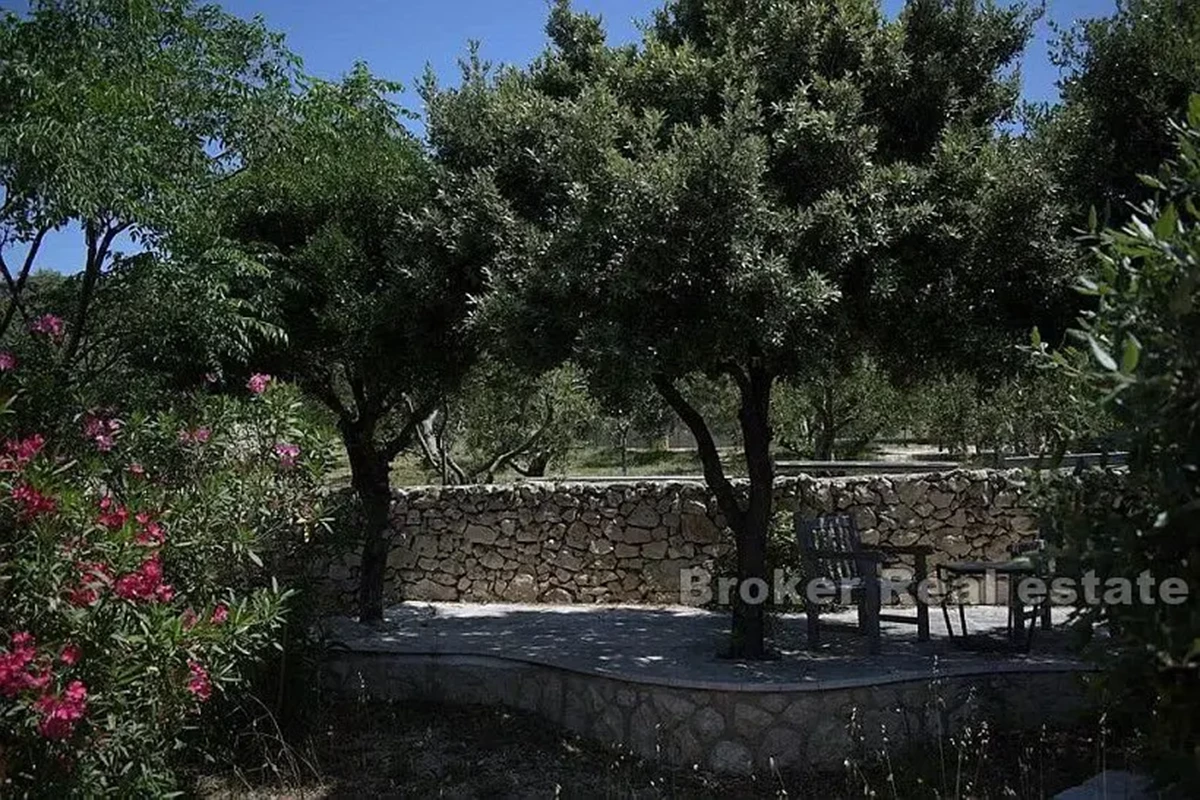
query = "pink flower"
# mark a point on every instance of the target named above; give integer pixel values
(15, 675)
(197, 436)
(199, 684)
(220, 614)
(94, 576)
(101, 429)
(211, 377)
(19, 452)
(112, 515)
(61, 712)
(70, 654)
(82, 596)
(32, 502)
(151, 532)
(8, 361)
(188, 619)
(49, 325)
(137, 470)
(287, 453)
(143, 583)
(258, 383)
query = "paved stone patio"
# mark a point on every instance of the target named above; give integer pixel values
(679, 645)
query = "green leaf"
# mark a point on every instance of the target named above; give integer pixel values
(1152, 182)
(1131, 355)
(1164, 228)
(1101, 355)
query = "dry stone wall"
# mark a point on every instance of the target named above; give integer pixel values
(627, 543)
(753, 730)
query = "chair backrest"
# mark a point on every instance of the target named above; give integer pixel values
(833, 533)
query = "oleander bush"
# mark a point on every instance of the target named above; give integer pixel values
(136, 574)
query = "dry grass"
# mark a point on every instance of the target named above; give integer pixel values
(382, 750)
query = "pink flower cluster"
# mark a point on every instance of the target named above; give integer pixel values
(101, 429)
(287, 454)
(60, 712)
(93, 578)
(199, 683)
(150, 533)
(112, 515)
(19, 452)
(258, 383)
(32, 502)
(197, 436)
(145, 583)
(8, 361)
(48, 325)
(15, 673)
(220, 614)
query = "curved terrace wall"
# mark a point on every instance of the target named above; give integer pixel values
(726, 728)
(627, 543)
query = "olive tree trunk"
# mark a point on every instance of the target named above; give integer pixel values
(369, 477)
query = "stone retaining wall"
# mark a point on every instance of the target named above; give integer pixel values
(627, 543)
(723, 729)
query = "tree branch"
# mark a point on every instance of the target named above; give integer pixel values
(714, 473)
(417, 413)
(502, 459)
(16, 287)
(98, 245)
(739, 376)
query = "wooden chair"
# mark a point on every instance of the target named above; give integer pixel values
(1025, 563)
(831, 548)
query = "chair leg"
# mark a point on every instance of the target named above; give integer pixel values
(872, 603)
(814, 626)
(1046, 621)
(920, 577)
(1016, 612)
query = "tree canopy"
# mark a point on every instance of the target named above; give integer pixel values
(1126, 77)
(756, 190)
(373, 258)
(121, 117)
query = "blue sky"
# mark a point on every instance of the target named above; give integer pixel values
(397, 38)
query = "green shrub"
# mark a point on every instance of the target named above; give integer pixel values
(132, 585)
(1143, 342)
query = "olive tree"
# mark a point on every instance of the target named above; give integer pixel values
(757, 189)
(1125, 76)
(373, 260)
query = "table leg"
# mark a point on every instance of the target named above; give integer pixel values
(1016, 610)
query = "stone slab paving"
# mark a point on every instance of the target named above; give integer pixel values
(680, 645)
(648, 680)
